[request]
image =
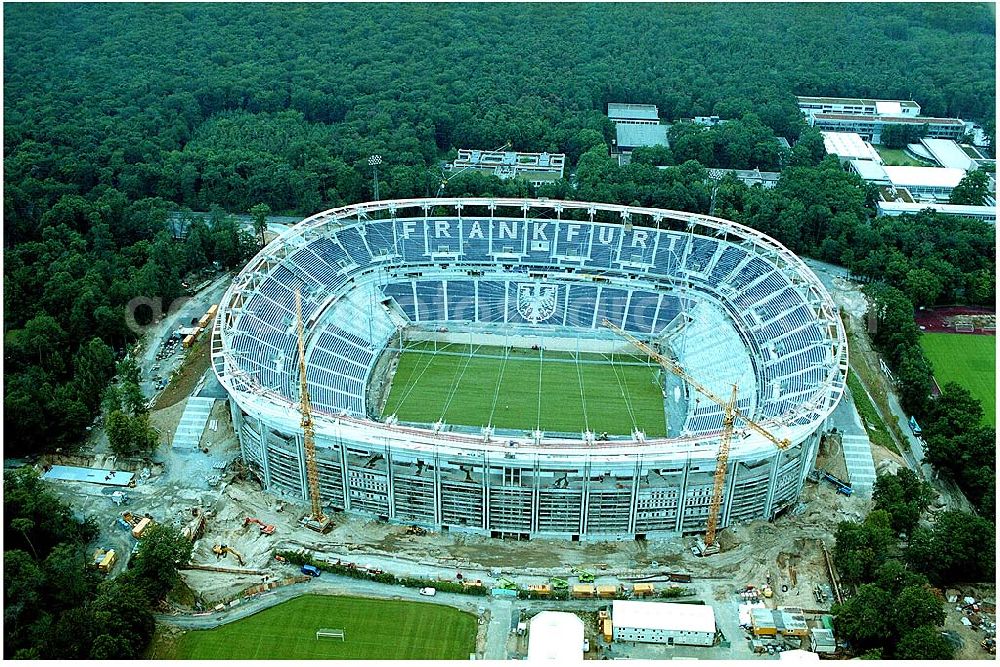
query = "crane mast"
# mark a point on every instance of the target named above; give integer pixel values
(317, 520)
(707, 546)
(721, 466)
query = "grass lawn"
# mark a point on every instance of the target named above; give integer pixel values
(896, 157)
(874, 425)
(491, 386)
(968, 360)
(374, 629)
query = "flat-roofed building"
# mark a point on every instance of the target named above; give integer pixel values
(556, 636)
(849, 146)
(536, 168)
(633, 114)
(629, 136)
(925, 182)
(870, 171)
(858, 106)
(663, 623)
(987, 214)
(749, 177)
(948, 153)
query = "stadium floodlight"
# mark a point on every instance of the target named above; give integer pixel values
(374, 161)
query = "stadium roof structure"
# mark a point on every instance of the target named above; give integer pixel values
(663, 616)
(557, 636)
(620, 111)
(637, 136)
(924, 177)
(253, 339)
(849, 146)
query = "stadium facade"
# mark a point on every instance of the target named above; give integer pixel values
(732, 305)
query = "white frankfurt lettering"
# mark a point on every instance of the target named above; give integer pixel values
(510, 231)
(441, 229)
(572, 231)
(477, 231)
(409, 226)
(639, 239)
(540, 231)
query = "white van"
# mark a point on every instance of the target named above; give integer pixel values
(428, 591)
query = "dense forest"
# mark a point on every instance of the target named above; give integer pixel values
(117, 116)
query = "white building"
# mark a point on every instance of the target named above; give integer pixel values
(949, 154)
(859, 106)
(536, 168)
(849, 146)
(633, 114)
(663, 623)
(922, 183)
(557, 636)
(925, 182)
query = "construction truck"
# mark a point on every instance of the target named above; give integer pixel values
(222, 550)
(585, 576)
(559, 584)
(989, 644)
(105, 560)
(416, 530)
(265, 528)
(140, 528)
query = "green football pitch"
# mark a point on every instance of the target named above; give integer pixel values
(373, 629)
(968, 360)
(527, 389)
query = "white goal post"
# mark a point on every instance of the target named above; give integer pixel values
(331, 633)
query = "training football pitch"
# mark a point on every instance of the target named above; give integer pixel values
(373, 629)
(527, 389)
(968, 360)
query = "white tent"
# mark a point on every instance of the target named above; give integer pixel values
(556, 635)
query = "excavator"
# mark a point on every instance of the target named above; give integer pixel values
(221, 551)
(265, 528)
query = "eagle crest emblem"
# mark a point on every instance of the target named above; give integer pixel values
(536, 302)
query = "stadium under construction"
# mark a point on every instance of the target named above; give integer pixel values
(724, 303)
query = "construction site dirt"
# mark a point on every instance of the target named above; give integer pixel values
(210, 480)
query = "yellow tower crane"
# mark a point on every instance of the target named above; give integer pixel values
(316, 520)
(707, 546)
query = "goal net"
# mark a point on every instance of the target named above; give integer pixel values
(331, 633)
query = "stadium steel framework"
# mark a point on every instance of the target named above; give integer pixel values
(731, 304)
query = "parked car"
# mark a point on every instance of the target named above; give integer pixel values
(311, 570)
(428, 591)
